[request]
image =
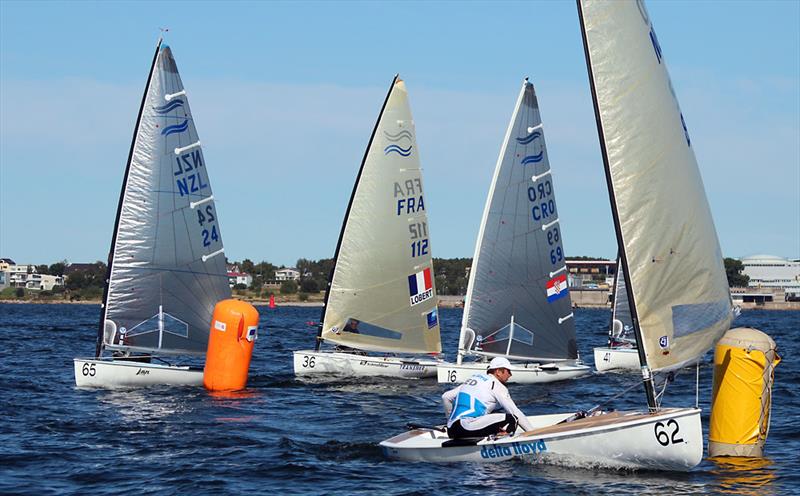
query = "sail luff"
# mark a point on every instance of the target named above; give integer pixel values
(347, 214)
(486, 209)
(649, 385)
(101, 329)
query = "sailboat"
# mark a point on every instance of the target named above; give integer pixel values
(381, 296)
(620, 353)
(676, 285)
(517, 303)
(166, 266)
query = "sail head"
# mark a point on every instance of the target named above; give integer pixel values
(167, 266)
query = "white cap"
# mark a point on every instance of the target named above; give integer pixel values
(499, 363)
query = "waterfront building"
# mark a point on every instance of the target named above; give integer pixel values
(287, 274)
(25, 276)
(767, 271)
(591, 274)
(235, 278)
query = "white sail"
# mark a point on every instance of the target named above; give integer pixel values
(670, 250)
(167, 267)
(517, 301)
(621, 320)
(382, 295)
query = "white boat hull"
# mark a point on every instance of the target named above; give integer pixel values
(109, 373)
(332, 363)
(521, 373)
(606, 359)
(671, 439)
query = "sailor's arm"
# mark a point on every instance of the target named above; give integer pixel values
(448, 398)
(504, 398)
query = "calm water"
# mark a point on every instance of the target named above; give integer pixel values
(290, 437)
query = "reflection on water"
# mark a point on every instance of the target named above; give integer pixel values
(740, 475)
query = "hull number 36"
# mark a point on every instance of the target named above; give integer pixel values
(667, 434)
(308, 362)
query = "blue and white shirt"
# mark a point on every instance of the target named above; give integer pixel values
(479, 395)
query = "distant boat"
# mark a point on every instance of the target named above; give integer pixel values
(678, 293)
(517, 302)
(166, 267)
(620, 353)
(381, 297)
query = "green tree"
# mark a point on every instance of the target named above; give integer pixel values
(42, 269)
(92, 278)
(733, 269)
(57, 269)
(288, 287)
(248, 266)
(309, 286)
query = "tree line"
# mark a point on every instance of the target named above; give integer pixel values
(451, 275)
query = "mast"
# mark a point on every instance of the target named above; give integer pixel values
(347, 215)
(101, 329)
(647, 377)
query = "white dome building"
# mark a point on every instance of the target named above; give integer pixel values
(771, 271)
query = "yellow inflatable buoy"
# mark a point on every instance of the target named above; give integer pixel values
(744, 369)
(234, 329)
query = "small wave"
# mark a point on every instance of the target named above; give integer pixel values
(177, 128)
(399, 136)
(530, 159)
(527, 139)
(168, 107)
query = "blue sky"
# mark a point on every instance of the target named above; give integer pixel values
(285, 95)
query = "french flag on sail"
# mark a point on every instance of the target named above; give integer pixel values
(557, 288)
(420, 286)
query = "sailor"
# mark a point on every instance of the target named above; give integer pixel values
(469, 406)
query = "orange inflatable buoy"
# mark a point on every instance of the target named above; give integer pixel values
(234, 329)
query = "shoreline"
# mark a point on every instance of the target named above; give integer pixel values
(444, 302)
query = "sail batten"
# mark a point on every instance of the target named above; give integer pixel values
(670, 255)
(162, 268)
(381, 295)
(517, 294)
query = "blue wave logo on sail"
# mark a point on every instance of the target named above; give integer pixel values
(530, 159)
(177, 128)
(405, 152)
(169, 107)
(397, 138)
(527, 139)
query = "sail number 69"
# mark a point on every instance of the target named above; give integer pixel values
(663, 437)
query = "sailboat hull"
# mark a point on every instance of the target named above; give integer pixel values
(331, 363)
(671, 439)
(521, 373)
(109, 373)
(606, 359)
